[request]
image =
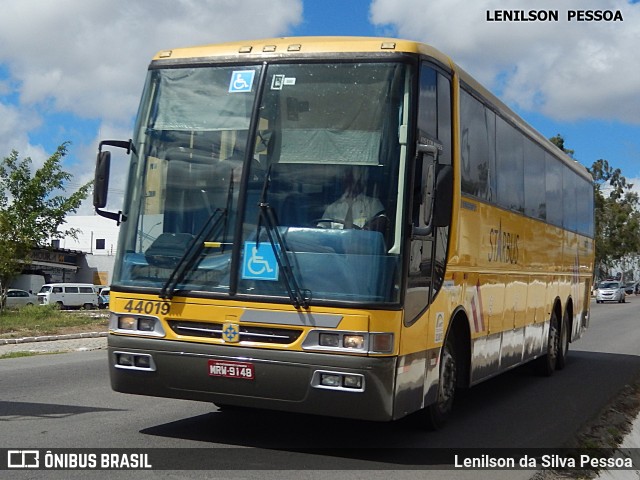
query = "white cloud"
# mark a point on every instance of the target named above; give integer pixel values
(14, 126)
(89, 57)
(635, 182)
(565, 70)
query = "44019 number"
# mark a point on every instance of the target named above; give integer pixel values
(148, 308)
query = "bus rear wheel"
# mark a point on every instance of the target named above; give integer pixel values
(437, 414)
(563, 341)
(547, 363)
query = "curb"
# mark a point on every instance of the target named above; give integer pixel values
(49, 338)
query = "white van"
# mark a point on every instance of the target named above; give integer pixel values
(67, 295)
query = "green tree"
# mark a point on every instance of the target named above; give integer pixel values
(616, 215)
(558, 141)
(32, 210)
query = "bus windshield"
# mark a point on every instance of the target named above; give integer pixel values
(277, 180)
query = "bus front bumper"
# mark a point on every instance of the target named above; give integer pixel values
(315, 383)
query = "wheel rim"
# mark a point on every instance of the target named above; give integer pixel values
(553, 341)
(448, 381)
(564, 337)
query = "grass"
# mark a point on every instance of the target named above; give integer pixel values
(49, 320)
(17, 355)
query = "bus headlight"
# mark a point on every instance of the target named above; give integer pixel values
(133, 324)
(146, 324)
(331, 340)
(353, 341)
(127, 323)
(349, 342)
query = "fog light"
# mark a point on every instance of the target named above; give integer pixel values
(330, 380)
(125, 359)
(143, 361)
(329, 340)
(146, 324)
(127, 323)
(353, 341)
(352, 381)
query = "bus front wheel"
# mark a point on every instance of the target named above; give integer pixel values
(437, 414)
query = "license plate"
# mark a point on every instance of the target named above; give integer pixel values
(229, 369)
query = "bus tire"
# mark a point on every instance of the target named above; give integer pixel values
(437, 414)
(547, 363)
(563, 342)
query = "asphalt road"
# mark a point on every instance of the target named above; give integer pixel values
(65, 401)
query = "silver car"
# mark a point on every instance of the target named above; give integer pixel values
(17, 298)
(610, 292)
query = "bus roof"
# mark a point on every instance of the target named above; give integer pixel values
(283, 47)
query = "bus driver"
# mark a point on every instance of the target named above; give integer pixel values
(353, 209)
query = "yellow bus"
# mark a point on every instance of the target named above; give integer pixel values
(351, 227)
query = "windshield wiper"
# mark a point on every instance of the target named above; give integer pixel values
(190, 255)
(199, 243)
(299, 297)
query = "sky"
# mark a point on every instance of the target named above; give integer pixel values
(73, 70)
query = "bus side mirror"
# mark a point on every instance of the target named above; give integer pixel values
(436, 191)
(443, 197)
(428, 191)
(101, 179)
(428, 180)
(427, 155)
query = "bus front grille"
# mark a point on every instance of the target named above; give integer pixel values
(282, 336)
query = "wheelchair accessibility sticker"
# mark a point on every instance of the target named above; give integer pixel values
(241, 81)
(259, 262)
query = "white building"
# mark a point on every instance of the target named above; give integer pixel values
(89, 258)
(96, 235)
(97, 239)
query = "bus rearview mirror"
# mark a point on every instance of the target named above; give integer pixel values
(101, 179)
(428, 155)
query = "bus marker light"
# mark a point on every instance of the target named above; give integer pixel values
(382, 342)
